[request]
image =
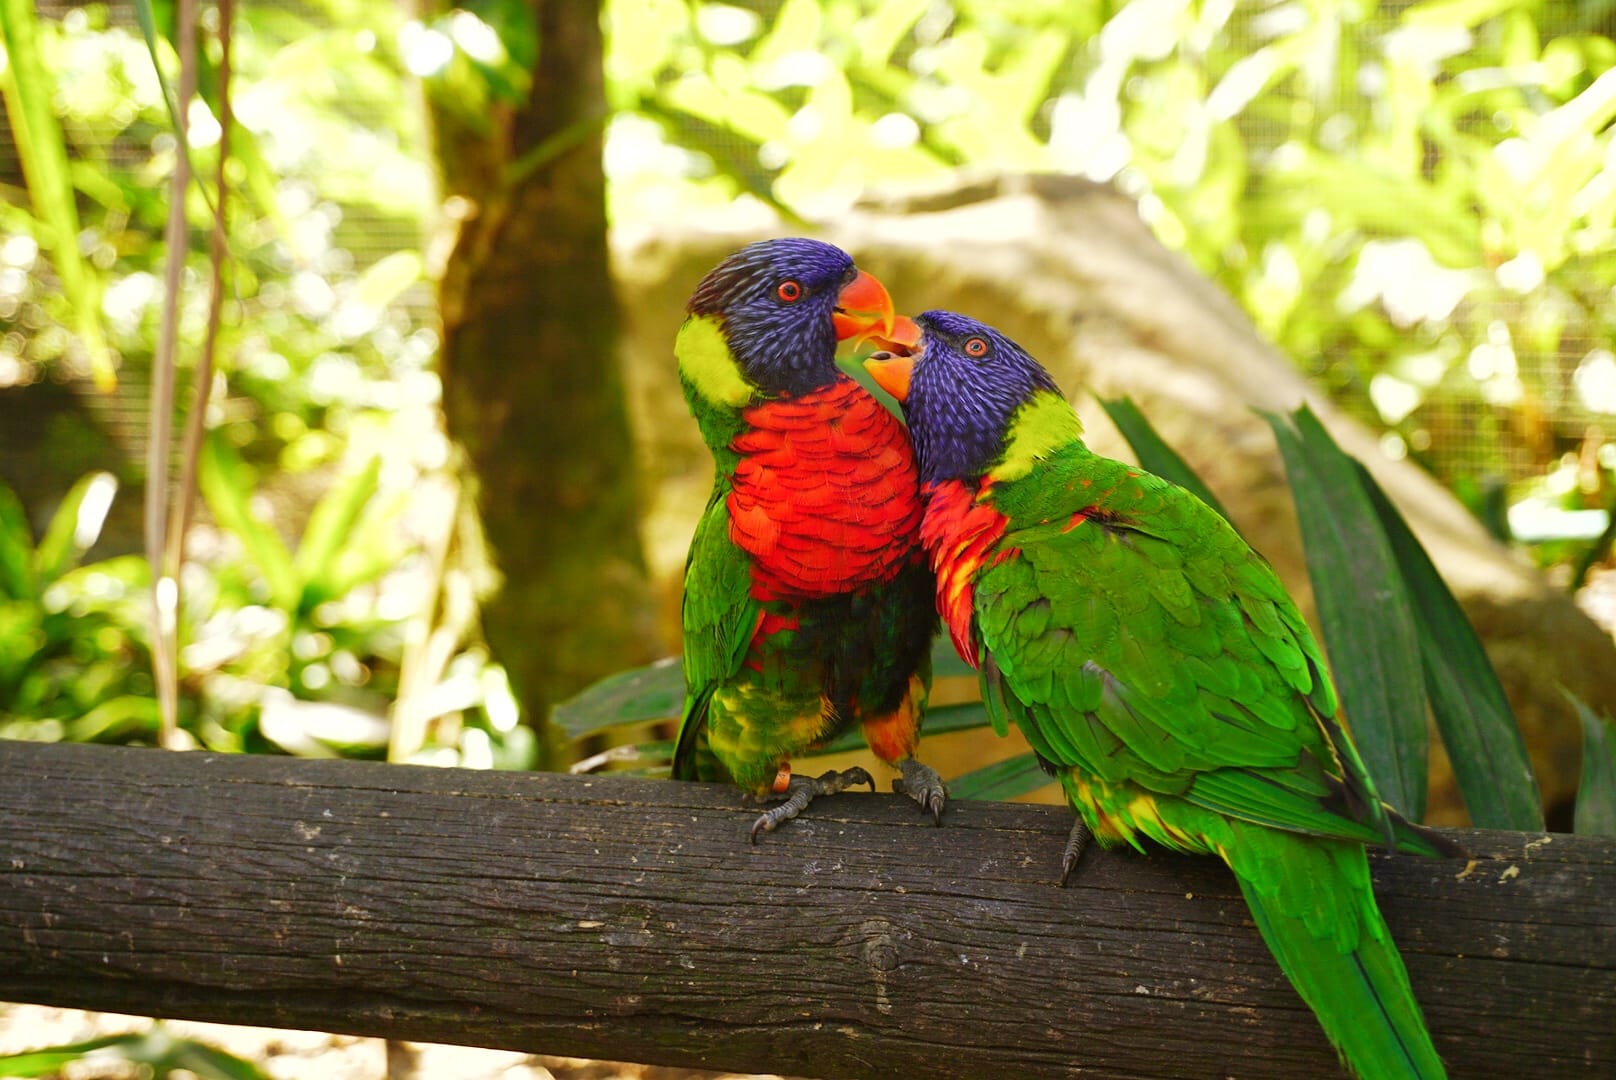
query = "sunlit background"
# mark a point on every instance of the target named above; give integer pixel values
(1415, 202)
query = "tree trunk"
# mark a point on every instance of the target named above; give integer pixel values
(622, 918)
(532, 385)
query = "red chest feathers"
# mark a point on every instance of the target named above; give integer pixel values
(959, 533)
(825, 497)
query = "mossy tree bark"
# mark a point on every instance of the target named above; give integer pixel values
(532, 384)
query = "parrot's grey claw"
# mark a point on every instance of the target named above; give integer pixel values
(801, 790)
(1076, 841)
(922, 784)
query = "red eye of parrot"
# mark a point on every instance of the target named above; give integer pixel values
(976, 347)
(789, 291)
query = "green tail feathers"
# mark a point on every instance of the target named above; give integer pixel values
(1349, 971)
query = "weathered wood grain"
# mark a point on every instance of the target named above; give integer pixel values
(630, 919)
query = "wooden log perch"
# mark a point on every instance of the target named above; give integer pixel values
(630, 919)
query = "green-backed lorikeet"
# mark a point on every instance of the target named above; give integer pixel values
(807, 602)
(1159, 670)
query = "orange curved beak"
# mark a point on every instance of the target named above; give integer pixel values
(862, 308)
(891, 372)
(903, 338)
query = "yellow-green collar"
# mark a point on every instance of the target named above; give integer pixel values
(706, 362)
(1043, 424)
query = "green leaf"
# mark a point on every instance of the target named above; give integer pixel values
(28, 90)
(795, 26)
(227, 484)
(1595, 813)
(655, 692)
(162, 1052)
(389, 276)
(75, 526)
(1002, 780)
(50, 1060)
(131, 572)
(22, 638)
(1154, 454)
(1364, 609)
(146, 16)
(258, 180)
(259, 183)
(116, 719)
(1380, 202)
(880, 33)
(209, 1063)
(368, 555)
(1454, 14)
(1478, 726)
(330, 523)
(650, 759)
(17, 578)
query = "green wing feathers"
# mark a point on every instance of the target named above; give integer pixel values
(1148, 644)
(719, 616)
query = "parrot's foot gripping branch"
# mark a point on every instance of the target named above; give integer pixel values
(802, 790)
(922, 784)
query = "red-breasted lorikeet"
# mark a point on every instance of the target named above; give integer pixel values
(1159, 670)
(807, 602)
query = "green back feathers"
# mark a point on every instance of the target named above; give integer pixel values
(1148, 643)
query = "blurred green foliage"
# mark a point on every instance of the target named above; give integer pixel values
(156, 1053)
(1412, 200)
(74, 662)
(323, 425)
(284, 651)
(1415, 201)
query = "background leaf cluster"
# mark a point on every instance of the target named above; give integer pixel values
(310, 574)
(1414, 201)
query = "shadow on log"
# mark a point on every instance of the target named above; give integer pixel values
(623, 918)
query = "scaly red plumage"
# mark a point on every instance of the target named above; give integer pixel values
(825, 497)
(958, 532)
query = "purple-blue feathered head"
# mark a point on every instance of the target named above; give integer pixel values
(959, 391)
(783, 305)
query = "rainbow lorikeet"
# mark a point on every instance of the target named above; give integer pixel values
(1159, 670)
(807, 602)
